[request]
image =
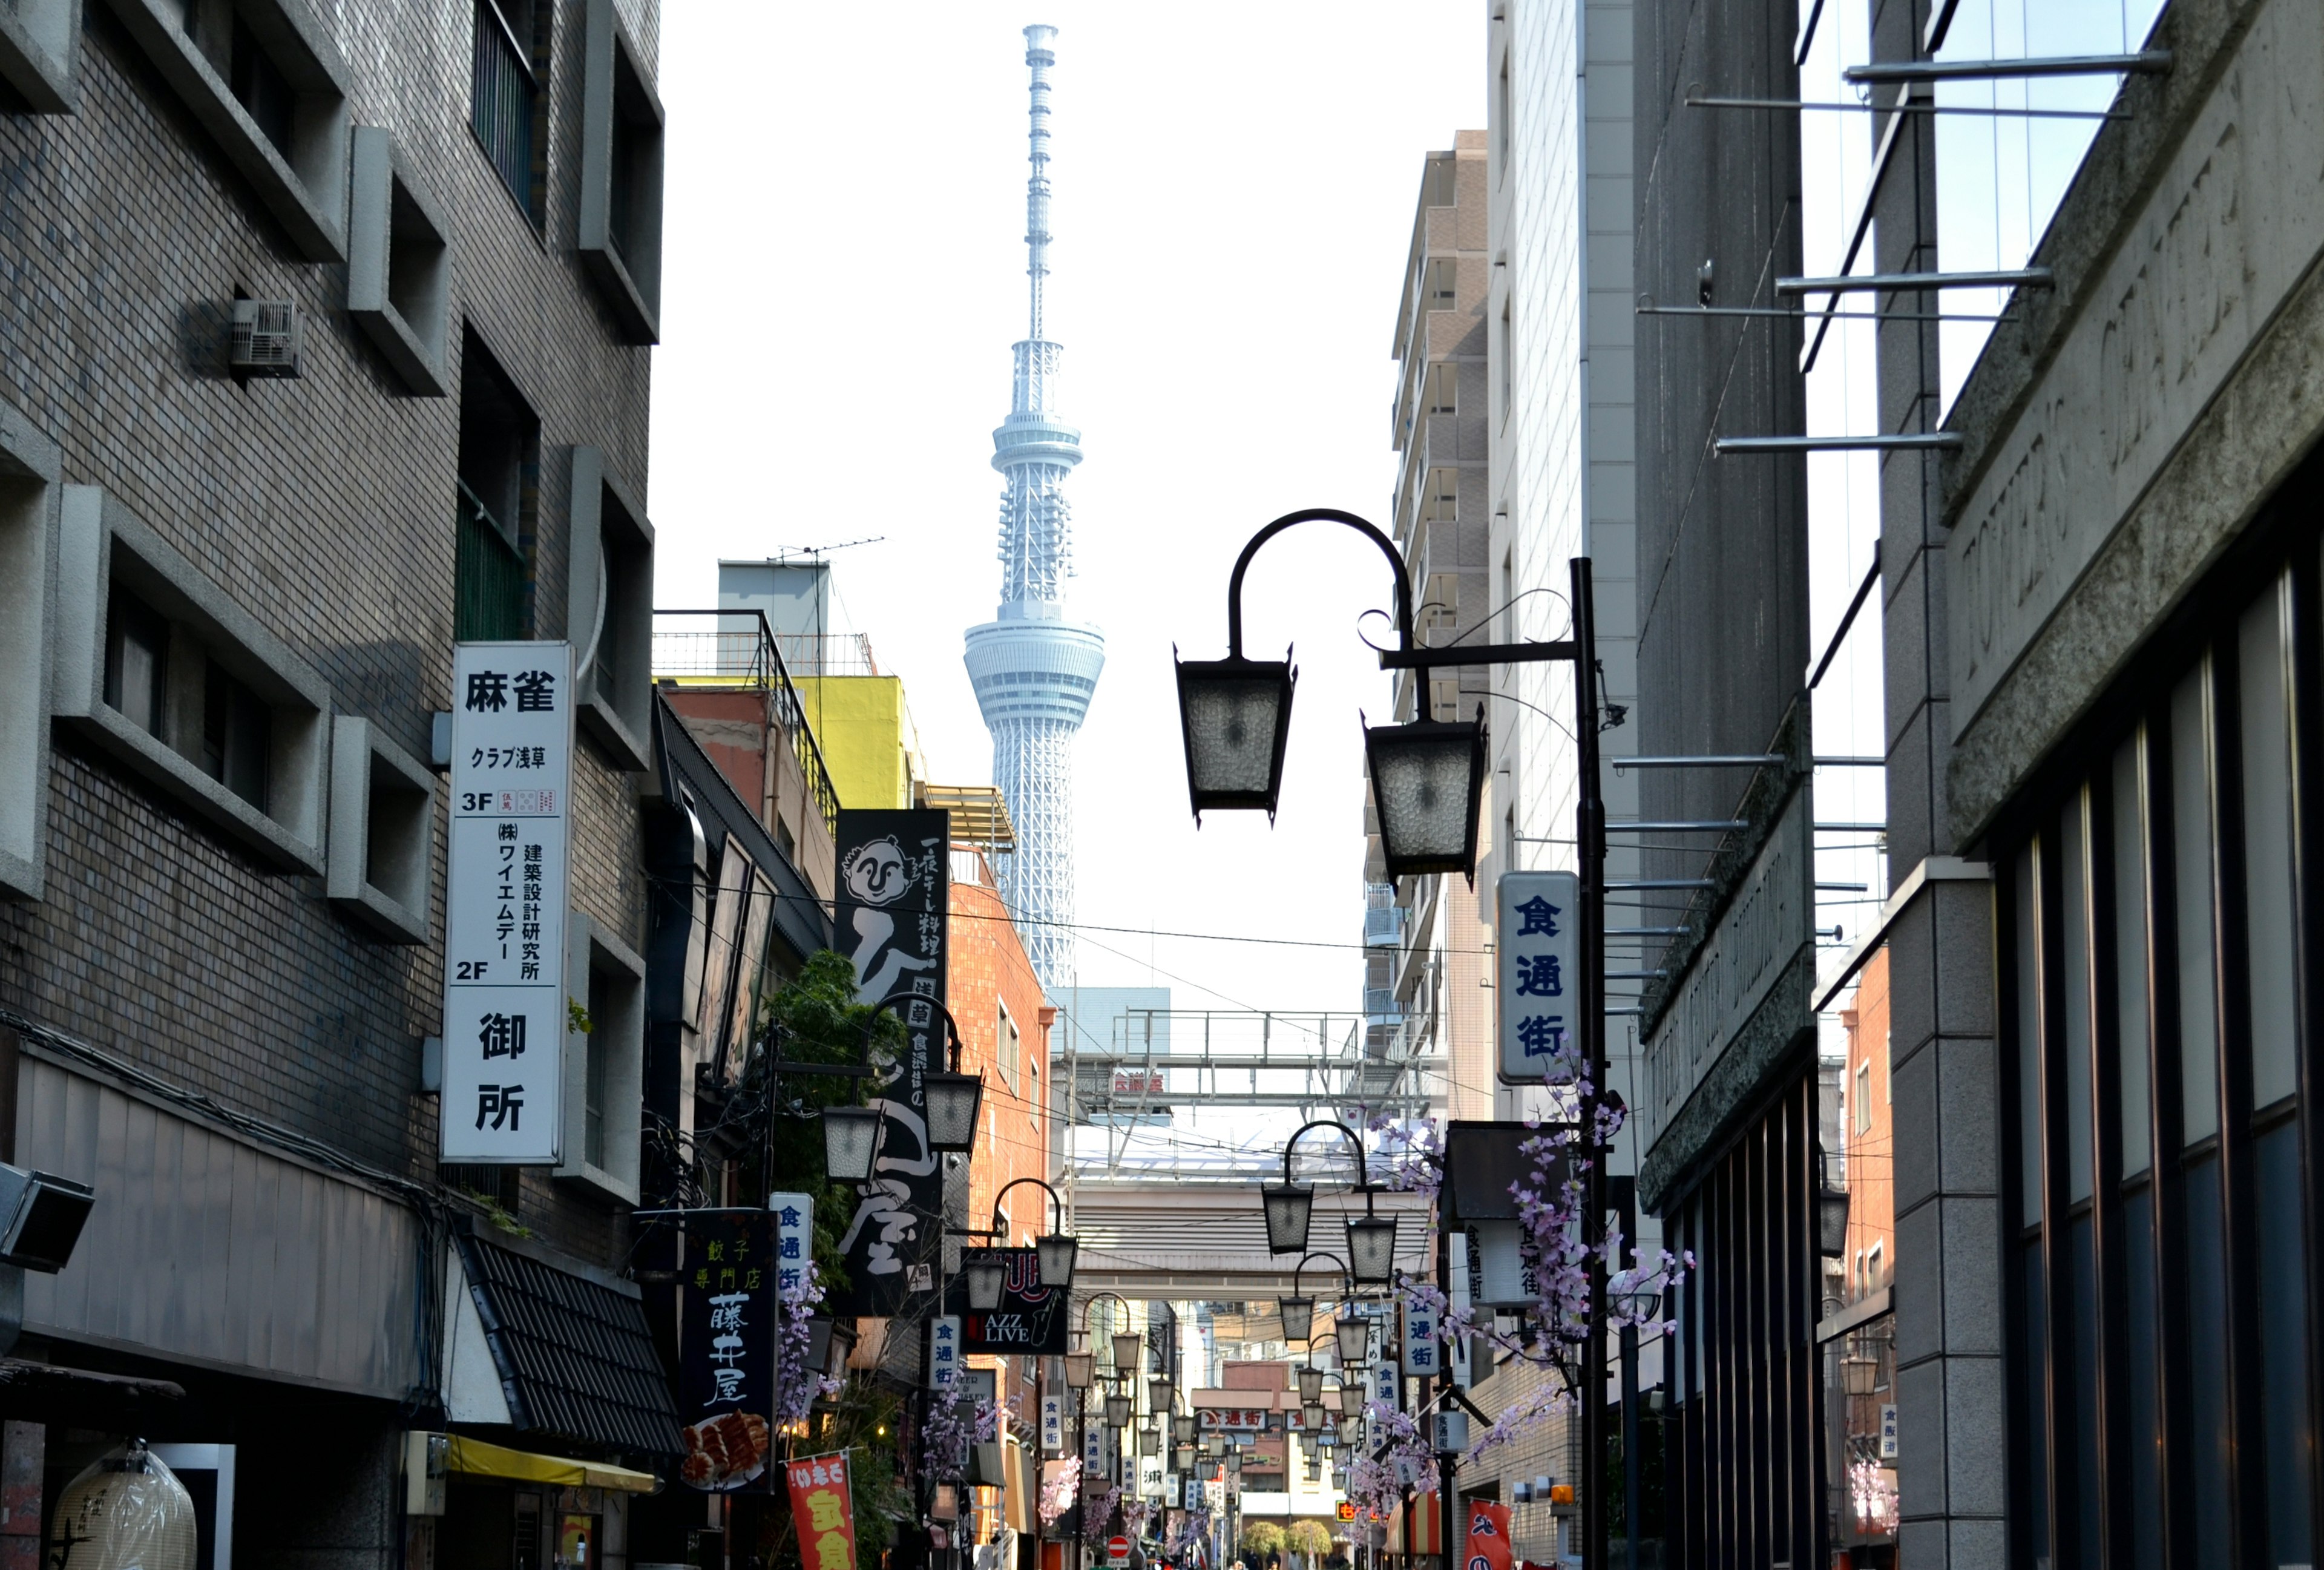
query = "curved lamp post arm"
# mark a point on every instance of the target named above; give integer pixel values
(1302, 1265)
(888, 1004)
(1321, 516)
(1363, 1178)
(1057, 1213)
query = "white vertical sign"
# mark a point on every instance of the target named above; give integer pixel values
(794, 1239)
(504, 997)
(1538, 958)
(1888, 1431)
(945, 1362)
(1422, 1349)
(1387, 1384)
(1053, 1424)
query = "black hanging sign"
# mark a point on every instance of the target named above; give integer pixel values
(894, 896)
(726, 1349)
(1032, 1318)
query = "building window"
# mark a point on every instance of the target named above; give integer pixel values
(264, 80)
(1441, 390)
(2157, 933)
(1508, 351)
(1864, 1098)
(621, 175)
(187, 688)
(505, 99)
(609, 611)
(1440, 288)
(383, 833)
(1008, 1047)
(30, 464)
(40, 57)
(493, 506)
(1503, 111)
(1442, 502)
(399, 264)
(604, 1066)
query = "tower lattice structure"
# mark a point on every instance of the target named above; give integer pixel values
(1034, 670)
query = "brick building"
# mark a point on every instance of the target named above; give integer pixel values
(228, 598)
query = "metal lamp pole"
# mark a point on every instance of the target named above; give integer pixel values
(1591, 831)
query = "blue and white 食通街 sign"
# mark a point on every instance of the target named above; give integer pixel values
(1538, 954)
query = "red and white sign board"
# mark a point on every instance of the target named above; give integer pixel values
(1116, 1550)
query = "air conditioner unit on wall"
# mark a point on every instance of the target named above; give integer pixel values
(265, 340)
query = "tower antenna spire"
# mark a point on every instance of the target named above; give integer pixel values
(1034, 670)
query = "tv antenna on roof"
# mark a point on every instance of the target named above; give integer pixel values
(786, 550)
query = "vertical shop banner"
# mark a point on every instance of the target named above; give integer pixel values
(726, 1341)
(1489, 1536)
(794, 1217)
(1422, 1349)
(1053, 1424)
(504, 891)
(944, 1359)
(1032, 1319)
(895, 892)
(1537, 953)
(823, 1510)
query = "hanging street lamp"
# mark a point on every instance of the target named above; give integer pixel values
(986, 1275)
(1078, 1360)
(1355, 1341)
(1310, 1386)
(1182, 1428)
(1298, 1310)
(1289, 1205)
(1351, 1399)
(851, 1141)
(1117, 1411)
(1125, 1352)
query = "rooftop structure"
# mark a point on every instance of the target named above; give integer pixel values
(1034, 671)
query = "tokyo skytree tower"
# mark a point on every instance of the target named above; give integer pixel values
(1034, 671)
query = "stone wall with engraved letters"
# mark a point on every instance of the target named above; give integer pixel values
(2121, 435)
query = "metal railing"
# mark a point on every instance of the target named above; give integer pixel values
(500, 106)
(738, 649)
(828, 654)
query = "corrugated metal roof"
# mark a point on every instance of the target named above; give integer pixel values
(574, 1355)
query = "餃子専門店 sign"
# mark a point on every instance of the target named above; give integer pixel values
(504, 888)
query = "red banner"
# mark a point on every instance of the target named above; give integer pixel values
(823, 1510)
(1489, 1535)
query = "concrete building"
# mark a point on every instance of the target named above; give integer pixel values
(228, 597)
(1424, 965)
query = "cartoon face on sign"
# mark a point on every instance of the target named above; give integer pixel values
(874, 872)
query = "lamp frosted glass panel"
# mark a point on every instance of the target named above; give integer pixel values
(2074, 920)
(2131, 1036)
(2264, 729)
(1421, 786)
(1230, 725)
(2190, 859)
(2026, 888)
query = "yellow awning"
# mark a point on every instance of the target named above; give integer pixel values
(479, 1459)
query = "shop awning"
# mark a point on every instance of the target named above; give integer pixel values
(478, 1459)
(576, 1362)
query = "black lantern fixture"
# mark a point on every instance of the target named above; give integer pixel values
(1311, 1417)
(1310, 1386)
(1182, 1458)
(1056, 1252)
(1125, 1352)
(1158, 1396)
(1831, 1214)
(1182, 1428)
(1214, 1446)
(951, 1098)
(1149, 1443)
(1859, 1375)
(985, 1275)
(1117, 1411)
(1234, 715)
(1355, 1341)
(851, 1141)
(1078, 1370)
(1427, 781)
(1351, 1400)
(1288, 1206)
(1371, 1247)
(1299, 1319)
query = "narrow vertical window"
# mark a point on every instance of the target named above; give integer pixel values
(2191, 847)
(2142, 1428)
(2080, 1321)
(2030, 1384)
(2265, 730)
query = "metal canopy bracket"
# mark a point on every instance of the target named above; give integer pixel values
(2145, 63)
(2003, 278)
(1907, 442)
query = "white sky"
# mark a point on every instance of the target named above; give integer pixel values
(1234, 191)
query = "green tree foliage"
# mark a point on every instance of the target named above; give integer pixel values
(1311, 1538)
(815, 1018)
(1261, 1537)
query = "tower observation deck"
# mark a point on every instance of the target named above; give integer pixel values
(1033, 668)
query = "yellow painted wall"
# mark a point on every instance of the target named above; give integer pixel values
(866, 731)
